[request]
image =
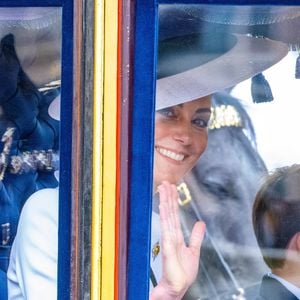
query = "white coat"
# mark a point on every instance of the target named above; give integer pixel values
(32, 272)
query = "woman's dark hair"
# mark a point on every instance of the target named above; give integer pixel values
(276, 213)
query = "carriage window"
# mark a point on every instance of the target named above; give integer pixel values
(30, 88)
(226, 116)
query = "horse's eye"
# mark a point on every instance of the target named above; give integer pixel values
(220, 190)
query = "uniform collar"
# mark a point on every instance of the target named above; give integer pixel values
(289, 286)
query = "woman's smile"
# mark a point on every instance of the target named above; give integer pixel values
(175, 156)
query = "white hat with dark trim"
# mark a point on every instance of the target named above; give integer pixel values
(196, 65)
(247, 39)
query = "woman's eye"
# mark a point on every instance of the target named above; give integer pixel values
(167, 112)
(199, 122)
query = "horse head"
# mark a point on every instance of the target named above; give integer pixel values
(223, 185)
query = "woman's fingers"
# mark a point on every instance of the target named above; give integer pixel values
(176, 215)
(180, 263)
(163, 210)
(170, 221)
(197, 237)
(167, 235)
(169, 204)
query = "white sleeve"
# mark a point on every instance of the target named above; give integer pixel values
(32, 272)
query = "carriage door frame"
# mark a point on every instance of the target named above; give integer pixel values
(140, 195)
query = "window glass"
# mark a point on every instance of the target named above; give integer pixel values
(226, 116)
(30, 81)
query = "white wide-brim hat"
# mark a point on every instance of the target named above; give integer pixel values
(197, 65)
(37, 40)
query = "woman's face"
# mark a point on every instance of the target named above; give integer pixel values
(180, 139)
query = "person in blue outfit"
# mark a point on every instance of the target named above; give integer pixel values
(37, 237)
(26, 128)
(3, 285)
(276, 212)
(24, 109)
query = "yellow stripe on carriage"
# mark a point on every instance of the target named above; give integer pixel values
(104, 152)
(97, 192)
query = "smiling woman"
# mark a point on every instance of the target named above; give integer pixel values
(180, 139)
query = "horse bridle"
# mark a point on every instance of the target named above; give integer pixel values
(188, 206)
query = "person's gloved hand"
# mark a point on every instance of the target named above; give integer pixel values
(9, 68)
(19, 98)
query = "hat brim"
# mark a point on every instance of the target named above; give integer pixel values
(247, 58)
(243, 15)
(33, 18)
(37, 36)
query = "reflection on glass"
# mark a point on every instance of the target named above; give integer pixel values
(204, 52)
(30, 72)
